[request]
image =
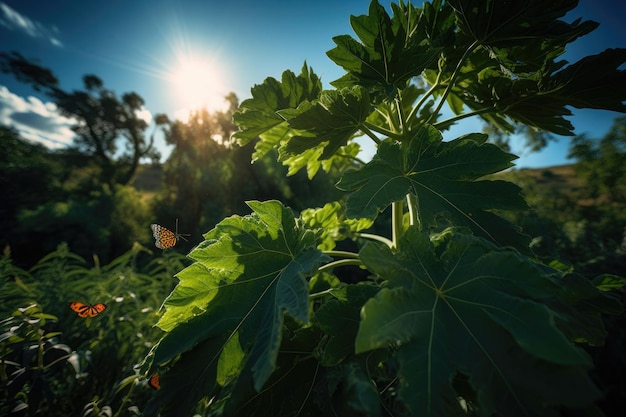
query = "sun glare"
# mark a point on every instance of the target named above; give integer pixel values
(198, 84)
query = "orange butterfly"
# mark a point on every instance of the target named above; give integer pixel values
(87, 310)
(154, 382)
(165, 238)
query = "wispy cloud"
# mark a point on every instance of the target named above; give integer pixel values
(35, 120)
(13, 20)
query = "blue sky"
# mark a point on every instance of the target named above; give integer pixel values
(141, 46)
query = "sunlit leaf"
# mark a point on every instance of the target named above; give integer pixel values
(258, 115)
(390, 51)
(332, 120)
(247, 275)
(332, 223)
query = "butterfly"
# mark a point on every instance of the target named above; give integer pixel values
(87, 310)
(165, 238)
(154, 382)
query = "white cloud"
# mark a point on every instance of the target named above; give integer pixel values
(35, 120)
(144, 114)
(13, 20)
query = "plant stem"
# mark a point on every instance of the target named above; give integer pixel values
(449, 122)
(320, 294)
(342, 262)
(455, 74)
(412, 205)
(378, 129)
(396, 222)
(423, 99)
(342, 254)
(376, 237)
(367, 129)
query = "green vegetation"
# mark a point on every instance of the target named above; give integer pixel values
(55, 363)
(423, 284)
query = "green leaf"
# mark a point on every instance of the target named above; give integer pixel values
(581, 306)
(342, 159)
(443, 177)
(495, 23)
(594, 82)
(258, 117)
(361, 395)
(608, 282)
(390, 51)
(329, 122)
(460, 306)
(248, 273)
(332, 223)
(339, 319)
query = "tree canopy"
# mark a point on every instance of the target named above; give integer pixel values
(105, 123)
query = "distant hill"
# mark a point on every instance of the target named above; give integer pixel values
(559, 177)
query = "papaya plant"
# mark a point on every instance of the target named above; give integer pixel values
(455, 315)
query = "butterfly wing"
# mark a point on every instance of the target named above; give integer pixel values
(163, 238)
(97, 309)
(86, 310)
(154, 382)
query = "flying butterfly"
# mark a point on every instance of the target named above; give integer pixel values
(165, 238)
(87, 310)
(153, 382)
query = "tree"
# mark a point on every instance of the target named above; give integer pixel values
(601, 161)
(209, 176)
(102, 119)
(456, 315)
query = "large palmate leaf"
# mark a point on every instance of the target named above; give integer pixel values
(258, 117)
(389, 53)
(494, 22)
(505, 80)
(459, 309)
(330, 121)
(230, 303)
(443, 176)
(593, 82)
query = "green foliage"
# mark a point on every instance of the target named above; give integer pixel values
(30, 355)
(455, 315)
(203, 145)
(103, 119)
(54, 362)
(601, 162)
(57, 196)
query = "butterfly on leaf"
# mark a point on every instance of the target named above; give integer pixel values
(153, 382)
(87, 310)
(165, 238)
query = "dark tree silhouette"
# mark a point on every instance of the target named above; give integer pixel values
(104, 121)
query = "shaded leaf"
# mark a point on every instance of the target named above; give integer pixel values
(458, 305)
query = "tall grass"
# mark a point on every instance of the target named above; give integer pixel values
(53, 362)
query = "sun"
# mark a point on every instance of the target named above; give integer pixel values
(198, 83)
